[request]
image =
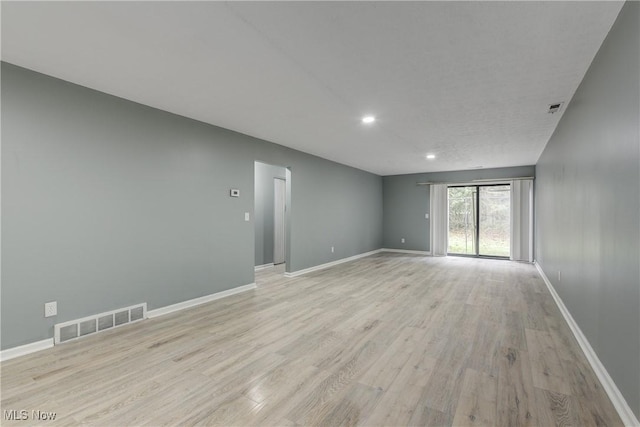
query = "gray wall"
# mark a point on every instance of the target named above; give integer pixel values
(406, 203)
(264, 210)
(588, 205)
(107, 203)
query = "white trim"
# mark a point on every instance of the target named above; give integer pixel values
(23, 350)
(618, 400)
(406, 251)
(263, 266)
(330, 264)
(197, 301)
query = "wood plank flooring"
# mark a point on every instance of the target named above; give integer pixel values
(390, 339)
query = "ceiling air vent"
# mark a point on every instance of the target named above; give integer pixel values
(555, 107)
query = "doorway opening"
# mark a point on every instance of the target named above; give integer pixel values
(272, 198)
(479, 220)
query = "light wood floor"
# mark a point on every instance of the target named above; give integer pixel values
(386, 340)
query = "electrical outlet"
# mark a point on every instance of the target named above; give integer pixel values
(402, 240)
(50, 309)
(332, 249)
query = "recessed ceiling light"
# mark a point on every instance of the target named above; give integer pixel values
(431, 156)
(368, 119)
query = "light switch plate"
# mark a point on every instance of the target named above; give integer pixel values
(247, 216)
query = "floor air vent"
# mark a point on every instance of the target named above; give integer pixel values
(75, 329)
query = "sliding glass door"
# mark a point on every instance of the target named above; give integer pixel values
(495, 221)
(479, 220)
(462, 220)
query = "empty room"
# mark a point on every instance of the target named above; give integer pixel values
(320, 213)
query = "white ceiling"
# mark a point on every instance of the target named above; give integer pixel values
(468, 81)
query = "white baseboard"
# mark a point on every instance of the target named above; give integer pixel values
(407, 251)
(197, 301)
(23, 350)
(263, 266)
(618, 400)
(331, 264)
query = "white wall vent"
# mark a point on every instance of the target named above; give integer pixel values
(74, 329)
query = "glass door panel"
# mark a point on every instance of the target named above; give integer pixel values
(462, 220)
(495, 221)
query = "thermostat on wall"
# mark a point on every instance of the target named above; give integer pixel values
(234, 193)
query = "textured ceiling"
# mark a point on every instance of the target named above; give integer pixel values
(470, 82)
